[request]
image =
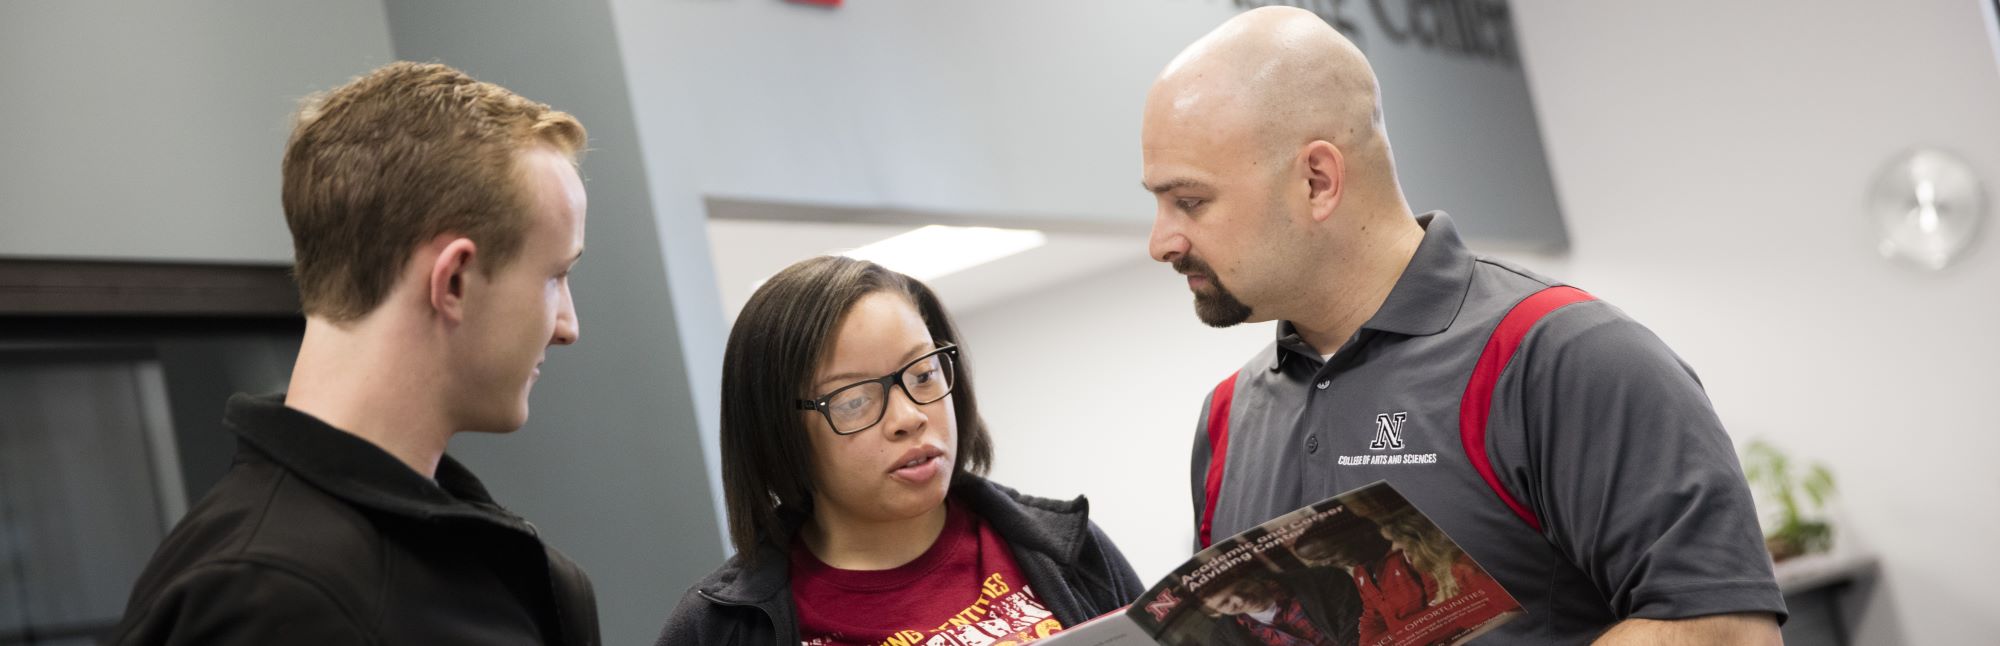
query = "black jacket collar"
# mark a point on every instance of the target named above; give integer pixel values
(1058, 528)
(355, 470)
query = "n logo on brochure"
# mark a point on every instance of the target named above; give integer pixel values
(1162, 605)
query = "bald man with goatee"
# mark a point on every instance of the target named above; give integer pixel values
(1562, 444)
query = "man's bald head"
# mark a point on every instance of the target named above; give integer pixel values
(1264, 148)
(1280, 75)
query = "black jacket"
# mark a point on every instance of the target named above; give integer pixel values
(316, 536)
(1075, 571)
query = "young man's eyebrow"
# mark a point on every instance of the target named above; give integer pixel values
(1172, 184)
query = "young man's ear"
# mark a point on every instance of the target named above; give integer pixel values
(1326, 178)
(449, 271)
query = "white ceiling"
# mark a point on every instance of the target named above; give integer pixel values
(748, 251)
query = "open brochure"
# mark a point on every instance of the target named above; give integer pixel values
(1364, 567)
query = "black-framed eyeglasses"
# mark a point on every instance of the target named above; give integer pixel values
(855, 407)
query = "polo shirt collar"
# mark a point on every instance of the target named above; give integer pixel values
(1425, 300)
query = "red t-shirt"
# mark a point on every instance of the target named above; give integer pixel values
(966, 589)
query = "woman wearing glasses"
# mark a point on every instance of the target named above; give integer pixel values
(852, 450)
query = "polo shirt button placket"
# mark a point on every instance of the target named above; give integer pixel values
(1312, 439)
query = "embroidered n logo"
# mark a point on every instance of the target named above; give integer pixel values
(1388, 431)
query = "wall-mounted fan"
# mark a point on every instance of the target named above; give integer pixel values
(1927, 205)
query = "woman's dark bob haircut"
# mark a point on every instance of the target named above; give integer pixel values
(779, 340)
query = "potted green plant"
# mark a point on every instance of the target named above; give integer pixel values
(1795, 496)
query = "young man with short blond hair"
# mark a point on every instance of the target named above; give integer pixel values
(435, 219)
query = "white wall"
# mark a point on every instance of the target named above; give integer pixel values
(1712, 161)
(141, 130)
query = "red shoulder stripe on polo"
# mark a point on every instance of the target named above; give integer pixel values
(1477, 404)
(1218, 451)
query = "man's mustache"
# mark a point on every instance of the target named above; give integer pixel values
(1192, 266)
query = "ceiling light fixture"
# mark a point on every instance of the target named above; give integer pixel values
(936, 250)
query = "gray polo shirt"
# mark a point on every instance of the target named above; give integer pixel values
(1596, 428)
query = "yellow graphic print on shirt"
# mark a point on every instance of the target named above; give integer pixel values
(1003, 616)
